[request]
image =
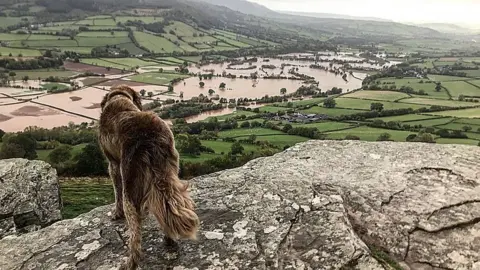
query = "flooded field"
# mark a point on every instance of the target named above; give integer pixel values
(85, 102)
(19, 116)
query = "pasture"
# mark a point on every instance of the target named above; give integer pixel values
(155, 43)
(156, 78)
(466, 113)
(369, 134)
(377, 95)
(404, 118)
(6, 51)
(245, 132)
(458, 88)
(360, 104)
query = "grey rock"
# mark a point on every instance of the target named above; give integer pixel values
(29, 196)
(318, 205)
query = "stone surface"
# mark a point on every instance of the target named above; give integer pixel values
(29, 196)
(318, 205)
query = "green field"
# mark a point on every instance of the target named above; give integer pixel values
(233, 42)
(439, 102)
(9, 21)
(82, 196)
(231, 115)
(459, 126)
(171, 59)
(155, 43)
(456, 141)
(156, 77)
(443, 78)
(469, 121)
(58, 86)
(103, 34)
(330, 112)
(43, 154)
(415, 83)
(360, 104)
(104, 22)
(472, 73)
(311, 101)
(462, 88)
(377, 95)
(102, 63)
(225, 147)
(273, 109)
(475, 82)
(404, 118)
(146, 19)
(43, 73)
(129, 62)
(431, 122)
(245, 132)
(5, 51)
(9, 37)
(131, 48)
(282, 140)
(51, 43)
(369, 134)
(326, 126)
(98, 42)
(181, 29)
(194, 59)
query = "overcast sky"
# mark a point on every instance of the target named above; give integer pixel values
(448, 11)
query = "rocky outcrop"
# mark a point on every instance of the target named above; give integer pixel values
(29, 196)
(318, 205)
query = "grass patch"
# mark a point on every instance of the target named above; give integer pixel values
(369, 134)
(456, 141)
(468, 121)
(330, 112)
(9, 21)
(416, 84)
(103, 34)
(131, 48)
(245, 132)
(43, 74)
(360, 104)
(5, 51)
(377, 95)
(106, 22)
(9, 37)
(432, 122)
(462, 88)
(81, 197)
(129, 62)
(404, 118)
(156, 77)
(312, 101)
(194, 59)
(102, 63)
(146, 19)
(444, 78)
(171, 59)
(466, 113)
(459, 126)
(155, 43)
(439, 102)
(326, 126)
(100, 42)
(57, 86)
(231, 115)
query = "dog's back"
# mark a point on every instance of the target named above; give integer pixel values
(143, 147)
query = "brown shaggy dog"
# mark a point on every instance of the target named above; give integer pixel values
(143, 165)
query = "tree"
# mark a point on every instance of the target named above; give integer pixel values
(467, 128)
(211, 92)
(223, 85)
(236, 149)
(202, 84)
(461, 97)
(188, 144)
(287, 128)
(150, 94)
(91, 161)
(424, 137)
(142, 92)
(1, 134)
(438, 87)
(181, 94)
(160, 70)
(170, 88)
(329, 103)
(20, 145)
(283, 91)
(25, 78)
(376, 107)
(61, 154)
(12, 74)
(245, 124)
(384, 137)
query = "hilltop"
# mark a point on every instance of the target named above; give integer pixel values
(336, 205)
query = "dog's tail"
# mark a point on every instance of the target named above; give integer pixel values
(170, 202)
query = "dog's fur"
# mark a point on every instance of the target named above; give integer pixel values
(143, 165)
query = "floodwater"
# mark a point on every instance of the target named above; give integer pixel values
(17, 117)
(85, 101)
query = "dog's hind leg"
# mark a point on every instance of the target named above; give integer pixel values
(133, 205)
(114, 171)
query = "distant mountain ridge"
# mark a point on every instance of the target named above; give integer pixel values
(334, 16)
(242, 6)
